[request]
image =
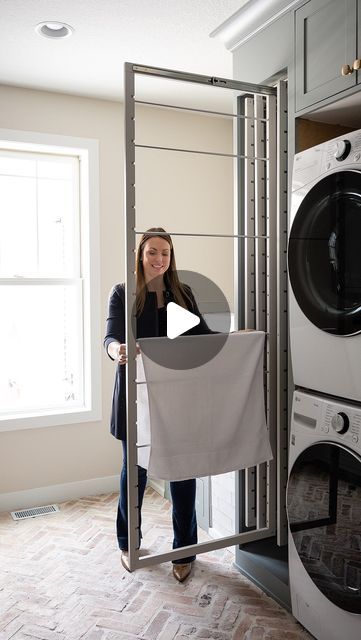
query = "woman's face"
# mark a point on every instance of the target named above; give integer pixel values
(156, 257)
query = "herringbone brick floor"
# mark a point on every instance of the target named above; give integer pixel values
(61, 579)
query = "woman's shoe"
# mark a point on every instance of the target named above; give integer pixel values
(182, 571)
(124, 559)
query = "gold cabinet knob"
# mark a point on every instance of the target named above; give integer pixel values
(346, 70)
(357, 64)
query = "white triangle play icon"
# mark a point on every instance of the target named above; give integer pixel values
(179, 320)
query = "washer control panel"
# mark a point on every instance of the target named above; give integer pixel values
(342, 153)
(330, 420)
(342, 421)
(340, 149)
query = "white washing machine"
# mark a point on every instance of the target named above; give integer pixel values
(324, 516)
(324, 261)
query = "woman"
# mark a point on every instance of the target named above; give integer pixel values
(157, 284)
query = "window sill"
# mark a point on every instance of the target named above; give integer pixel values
(50, 419)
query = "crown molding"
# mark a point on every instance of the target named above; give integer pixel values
(252, 18)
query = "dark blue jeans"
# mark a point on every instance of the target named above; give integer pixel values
(184, 517)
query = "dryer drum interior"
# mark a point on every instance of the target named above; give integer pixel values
(324, 512)
(324, 254)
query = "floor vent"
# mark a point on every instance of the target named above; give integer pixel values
(34, 512)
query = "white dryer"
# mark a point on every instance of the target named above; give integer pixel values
(324, 261)
(324, 516)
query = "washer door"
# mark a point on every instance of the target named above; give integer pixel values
(324, 513)
(324, 254)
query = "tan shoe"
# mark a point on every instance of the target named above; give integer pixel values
(182, 571)
(124, 559)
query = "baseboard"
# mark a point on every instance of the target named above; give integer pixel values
(58, 493)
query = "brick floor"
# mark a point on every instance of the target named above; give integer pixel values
(61, 579)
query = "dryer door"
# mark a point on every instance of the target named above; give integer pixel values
(324, 513)
(324, 254)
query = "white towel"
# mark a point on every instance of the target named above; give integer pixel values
(206, 420)
(143, 417)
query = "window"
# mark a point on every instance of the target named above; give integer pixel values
(49, 281)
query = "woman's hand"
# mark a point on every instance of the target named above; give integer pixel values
(122, 354)
(119, 352)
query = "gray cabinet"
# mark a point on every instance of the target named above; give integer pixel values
(326, 39)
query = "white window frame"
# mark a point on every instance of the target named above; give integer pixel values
(87, 150)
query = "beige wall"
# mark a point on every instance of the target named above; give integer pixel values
(33, 458)
(188, 193)
(184, 193)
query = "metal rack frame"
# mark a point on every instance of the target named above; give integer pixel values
(268, 264)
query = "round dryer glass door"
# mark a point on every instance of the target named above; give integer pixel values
(324, 254)
(324, 514)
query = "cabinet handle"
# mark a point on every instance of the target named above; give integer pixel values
(357, 64)
(346, 70)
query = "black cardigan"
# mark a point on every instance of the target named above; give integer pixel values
(147, 327)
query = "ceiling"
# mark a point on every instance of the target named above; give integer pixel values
(163, 33)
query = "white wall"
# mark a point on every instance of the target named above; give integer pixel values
(182, 196)
(223, 505)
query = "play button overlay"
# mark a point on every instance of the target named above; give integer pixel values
(187, 324)
(179, 320)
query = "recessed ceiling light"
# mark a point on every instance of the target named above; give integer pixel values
(54, 29)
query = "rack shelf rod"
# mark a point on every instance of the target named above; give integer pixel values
(194, 109)
(205, 153)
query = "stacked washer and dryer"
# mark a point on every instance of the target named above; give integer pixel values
(324, 485)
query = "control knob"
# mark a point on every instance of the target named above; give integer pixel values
(342, 149)
(340, 422)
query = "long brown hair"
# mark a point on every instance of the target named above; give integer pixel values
(171, 279)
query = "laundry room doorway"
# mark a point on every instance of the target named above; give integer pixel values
(249, 266)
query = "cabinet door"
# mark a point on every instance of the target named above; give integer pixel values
(326, 34)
